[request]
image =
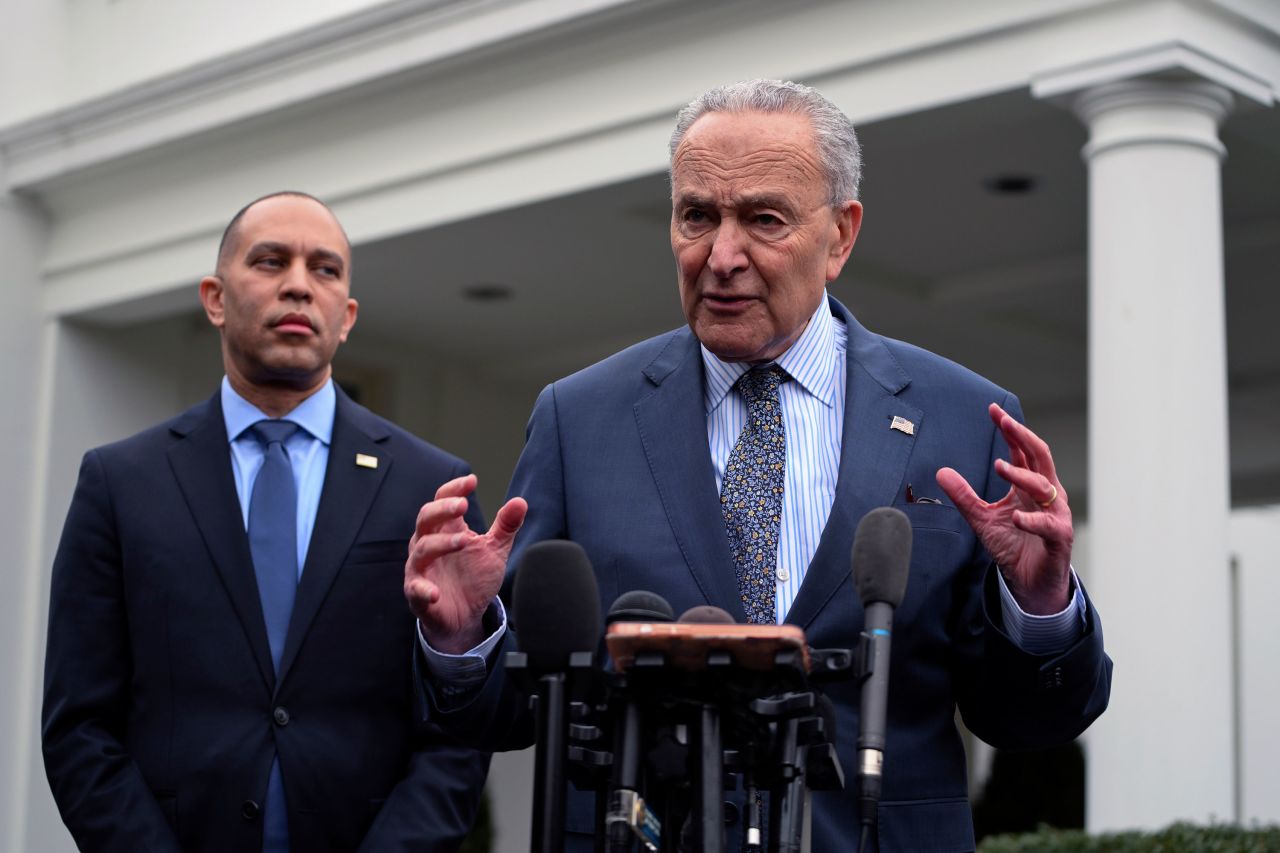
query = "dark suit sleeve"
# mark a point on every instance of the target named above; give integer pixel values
(496, 717)
(1012, 699)
(433, 807)
(100, 792)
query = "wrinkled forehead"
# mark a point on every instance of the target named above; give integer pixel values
(725, 156)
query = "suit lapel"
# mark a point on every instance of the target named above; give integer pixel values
(673, 428)
(349, 490)
(201, 462)
(873, 461)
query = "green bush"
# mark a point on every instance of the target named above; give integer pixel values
(1178, 838)
(480, 840)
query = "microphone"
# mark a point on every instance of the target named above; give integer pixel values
(553, 578)
(881, 559)
(628, 815)
(640, 605)
(706, 614)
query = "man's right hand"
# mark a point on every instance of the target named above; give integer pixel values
(453, 573)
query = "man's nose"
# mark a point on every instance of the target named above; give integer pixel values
(729, 250)
(297, 282)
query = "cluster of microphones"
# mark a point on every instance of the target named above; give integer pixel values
(680, 710)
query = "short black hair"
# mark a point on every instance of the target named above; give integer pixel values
(232, 230)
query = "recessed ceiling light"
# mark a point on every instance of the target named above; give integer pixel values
(486, 291)
(1011, 183)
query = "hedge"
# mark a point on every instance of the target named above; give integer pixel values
(1178, 838)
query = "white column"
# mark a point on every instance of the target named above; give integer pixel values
(22, 356)
(1158, 473)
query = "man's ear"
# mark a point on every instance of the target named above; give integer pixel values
(211, 294)
(844, 233)
(349, 319)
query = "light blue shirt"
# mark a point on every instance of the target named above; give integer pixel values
(308, 452)
(813, 416)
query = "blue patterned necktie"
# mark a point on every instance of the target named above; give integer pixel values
(273, 543)
(751, 496)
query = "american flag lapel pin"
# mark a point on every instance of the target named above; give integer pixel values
(364, 460)
(902, 425)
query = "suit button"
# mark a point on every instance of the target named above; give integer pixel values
(281, 716)
(1051, 679)
(249, 810)
(730, 813)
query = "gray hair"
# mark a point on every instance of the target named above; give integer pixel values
(837, 144)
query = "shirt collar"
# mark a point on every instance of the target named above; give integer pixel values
(811, 361)
(314, 414)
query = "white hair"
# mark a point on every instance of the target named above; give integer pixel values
(833, 134)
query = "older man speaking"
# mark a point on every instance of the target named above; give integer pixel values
(644, 459)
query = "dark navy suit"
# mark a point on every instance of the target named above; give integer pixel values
(617, 460)
(162, 710)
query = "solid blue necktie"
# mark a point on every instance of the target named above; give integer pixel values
(273, 542)
(751, 495)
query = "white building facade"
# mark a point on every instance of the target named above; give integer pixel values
(1126, 289)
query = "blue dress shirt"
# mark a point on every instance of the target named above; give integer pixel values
(308, 452)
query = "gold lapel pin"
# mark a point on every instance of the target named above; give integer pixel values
(903, 425)
(364, 460)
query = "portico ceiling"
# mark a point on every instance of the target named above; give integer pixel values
(997, 282)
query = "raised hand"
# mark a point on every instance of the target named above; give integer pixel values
(453, 573)
(1028, 531)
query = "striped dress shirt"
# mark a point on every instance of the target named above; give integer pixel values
(813, 416)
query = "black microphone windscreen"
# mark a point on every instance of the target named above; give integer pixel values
(706, 614)
(882, 556)
(640, 605)
(555, 604)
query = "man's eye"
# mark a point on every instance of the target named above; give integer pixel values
(694, 221)
(330, 271)
(768, 220)
(269, 263)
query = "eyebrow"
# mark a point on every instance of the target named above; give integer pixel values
(769, 200)
(285, 249)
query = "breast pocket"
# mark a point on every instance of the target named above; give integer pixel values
(378, 551)
(941, 544)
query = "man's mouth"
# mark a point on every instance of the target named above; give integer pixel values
(726, 301)
(295, 324)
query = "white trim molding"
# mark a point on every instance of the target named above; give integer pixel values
(1167, 58)
(377, 43)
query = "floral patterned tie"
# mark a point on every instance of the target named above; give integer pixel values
(751, 497)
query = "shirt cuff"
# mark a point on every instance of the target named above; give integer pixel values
(1043, 635)
(455, 675)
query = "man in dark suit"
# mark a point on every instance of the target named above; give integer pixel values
(228, 639)
(649, 459)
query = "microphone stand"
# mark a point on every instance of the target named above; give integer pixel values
(709, 793)
(549, 760)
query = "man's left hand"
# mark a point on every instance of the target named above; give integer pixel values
(1028, 532)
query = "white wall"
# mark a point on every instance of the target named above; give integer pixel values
(21, 240)
(72, 52)
(1254, 535)
(32, 74)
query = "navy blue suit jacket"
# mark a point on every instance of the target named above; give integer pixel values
(161, 708)
(617, 461)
